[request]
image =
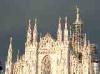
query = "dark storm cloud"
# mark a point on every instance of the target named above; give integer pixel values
(14, 15)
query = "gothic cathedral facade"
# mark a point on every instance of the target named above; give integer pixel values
(69, 53)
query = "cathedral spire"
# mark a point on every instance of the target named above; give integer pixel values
(78, 26)
(70, 31)
(59, 32)
(78, 22)
(10, 45)
(8, 66)
(78, 19)
(29, 33)
(85, 40)
(66, 30)
(66, 22)
(35, 31)
(59, 27)
(18, 55)
(10, 50)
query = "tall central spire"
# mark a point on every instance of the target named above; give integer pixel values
(78, 19)
(78, 22)
(77, 28)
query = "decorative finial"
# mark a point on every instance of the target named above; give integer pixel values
(77, 9)
(35, 21)
(35, 26)
(35, 34)
(18, 55)
(59, 19)
(59, 26)
(10, 39)
(66, 22)
(85, 37)
(29, 27)
(77, 14)
(10, 46)
(59, 32)
(66, 19)
(29, 21)
(78, 19)
(70, 31)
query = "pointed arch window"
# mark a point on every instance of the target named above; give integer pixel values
(46, 65)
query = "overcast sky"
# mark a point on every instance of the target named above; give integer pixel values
(14, 15)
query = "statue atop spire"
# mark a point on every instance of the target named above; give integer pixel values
(59, 32)
(35, 26)
(10, 45)
(35, 21)
(29, 25)
(66, 31)
(59, 23)
(78, 25)
(78, 19)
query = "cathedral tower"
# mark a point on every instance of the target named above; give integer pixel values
(77, 33)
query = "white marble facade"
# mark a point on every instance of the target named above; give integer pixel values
(67, 54)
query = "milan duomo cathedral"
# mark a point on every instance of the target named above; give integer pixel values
(69, 53)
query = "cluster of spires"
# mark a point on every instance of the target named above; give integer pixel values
(72, 31)
(32, 36)
(77, 22)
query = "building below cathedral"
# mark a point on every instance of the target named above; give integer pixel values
(70, 53)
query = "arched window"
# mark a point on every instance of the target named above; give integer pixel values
(46, 65)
